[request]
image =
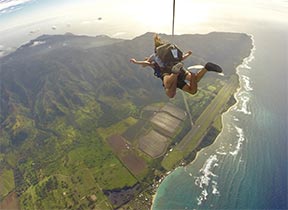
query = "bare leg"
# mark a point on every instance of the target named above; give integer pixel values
(169, 80)
(193, 83)
(193, 86)
(200, 74)
(170, 84)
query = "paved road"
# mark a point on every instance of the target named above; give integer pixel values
(187, 109)
(209, 114)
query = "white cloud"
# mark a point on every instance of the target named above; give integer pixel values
(118, 34)
(5, 50)
(11, 5)
(35, 43)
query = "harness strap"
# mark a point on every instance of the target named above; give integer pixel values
(157, 70)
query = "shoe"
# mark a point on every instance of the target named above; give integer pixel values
(213, 67)
(177, 68)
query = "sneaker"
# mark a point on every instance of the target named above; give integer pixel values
(213, 67)
(177, 68)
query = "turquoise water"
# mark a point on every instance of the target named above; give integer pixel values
(246, 167)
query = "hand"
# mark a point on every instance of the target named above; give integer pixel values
(189, 52)
(133, 60)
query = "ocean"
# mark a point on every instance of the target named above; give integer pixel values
(246, 167)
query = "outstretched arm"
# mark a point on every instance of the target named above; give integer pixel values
(186, 55)
(142, 63)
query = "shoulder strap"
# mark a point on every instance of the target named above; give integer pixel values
(169, 53)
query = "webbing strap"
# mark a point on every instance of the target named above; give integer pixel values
(173, 18)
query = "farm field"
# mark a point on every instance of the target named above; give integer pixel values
(154, 144)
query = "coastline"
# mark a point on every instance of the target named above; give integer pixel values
(244, 63)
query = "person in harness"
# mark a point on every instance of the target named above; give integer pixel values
(167, 64)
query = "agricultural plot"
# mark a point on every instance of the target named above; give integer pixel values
(152, 108)
(127, 155)
(174, 111)
(132, 133)
(117, 143)
(167, 123)
(10, 202)
(154, 144)
(134, 163)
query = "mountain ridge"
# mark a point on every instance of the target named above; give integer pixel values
(58, 61)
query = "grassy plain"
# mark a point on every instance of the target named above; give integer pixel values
(82, 164)
(7, 182)
(117, 128)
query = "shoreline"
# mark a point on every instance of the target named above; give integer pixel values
(245, 61)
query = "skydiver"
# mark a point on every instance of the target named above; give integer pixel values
(173, 78)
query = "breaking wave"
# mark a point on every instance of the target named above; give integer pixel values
(203, 181)
(241, 139)
(207, 179)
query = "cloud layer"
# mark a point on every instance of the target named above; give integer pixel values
(8, 6)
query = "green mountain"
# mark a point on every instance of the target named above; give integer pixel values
(54, 76)
(61, 97)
